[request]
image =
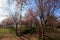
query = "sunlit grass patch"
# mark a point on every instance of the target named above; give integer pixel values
(6, 30)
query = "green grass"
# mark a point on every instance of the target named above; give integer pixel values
(7, 30)
(26, 30)
(23, 30)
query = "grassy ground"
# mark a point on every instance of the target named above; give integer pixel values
(7, 30)
(8, 33)
(26, 31)
(53, 35)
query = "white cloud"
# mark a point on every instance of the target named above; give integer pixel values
(3, 11)
(2, 18)
(3, 3)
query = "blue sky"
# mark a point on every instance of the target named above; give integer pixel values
(32, 5)
(4, 8)
(57, 12)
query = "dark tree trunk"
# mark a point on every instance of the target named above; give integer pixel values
(16, 30)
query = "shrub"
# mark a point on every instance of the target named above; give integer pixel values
(30, 30)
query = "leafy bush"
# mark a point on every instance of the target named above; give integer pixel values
(30, 30)
(58, 26)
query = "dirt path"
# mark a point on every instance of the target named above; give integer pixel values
(14, 37)
(9, 37)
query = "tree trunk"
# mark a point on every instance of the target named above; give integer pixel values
(54, 27)
(16, 30)
(42, 31)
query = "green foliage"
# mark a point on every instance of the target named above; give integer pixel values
(26, 30)
(30, 30)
